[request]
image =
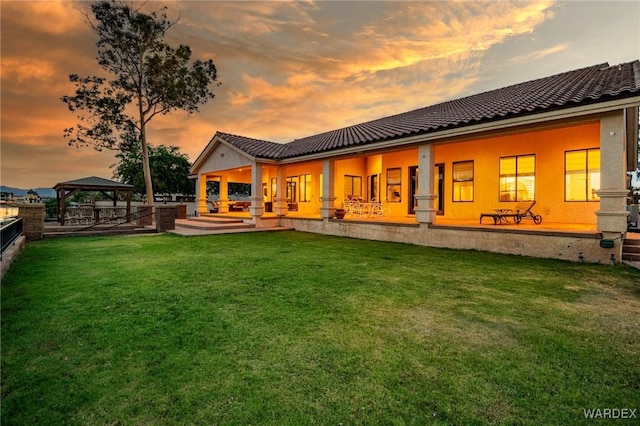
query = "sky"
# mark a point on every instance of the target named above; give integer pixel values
(294, 69)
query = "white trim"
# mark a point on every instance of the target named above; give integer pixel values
(211, 146)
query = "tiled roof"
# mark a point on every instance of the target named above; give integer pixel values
(254, 147)
(93, 181)
(598, 83)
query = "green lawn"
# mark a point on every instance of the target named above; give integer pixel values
(293, 329)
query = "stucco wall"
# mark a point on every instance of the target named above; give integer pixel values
(223, 157)
(548, 146)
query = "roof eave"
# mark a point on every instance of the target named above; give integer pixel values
(545, 116)
(211, 146)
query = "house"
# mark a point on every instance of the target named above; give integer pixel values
(566, 142)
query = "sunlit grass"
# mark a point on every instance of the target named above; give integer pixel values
(294, 328)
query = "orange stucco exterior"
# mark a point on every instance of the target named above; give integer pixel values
(548, 146)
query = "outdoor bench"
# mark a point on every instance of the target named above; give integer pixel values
(501, 216)
(521, 211)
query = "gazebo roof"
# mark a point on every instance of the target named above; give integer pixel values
(94, 183)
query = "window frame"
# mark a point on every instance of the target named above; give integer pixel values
(455, 181)
(517, 175)
(305, 188)
(292, 183)
(586, 175)
(394, 186)
(354, 185)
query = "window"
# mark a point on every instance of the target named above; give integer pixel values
(352, 186)
(274, 189)
(305, 188)
(373, 187)
(518, 178)
(292, 187)
(463, 181)
(394, 185)
(582, 175)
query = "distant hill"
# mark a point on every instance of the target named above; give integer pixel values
(19, 192)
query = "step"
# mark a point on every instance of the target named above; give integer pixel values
(211, 219)
(189, 232)
(630, 249)
(634, 257)
(631, 242)
(98, 232)
(213, 225)
(632, 263)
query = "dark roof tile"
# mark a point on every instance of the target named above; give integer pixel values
(254, 147)
(93, 181)
(597, 83)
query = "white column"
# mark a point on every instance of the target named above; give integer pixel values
(201, 194)
(328, 189)
(612, 216)
(426, 210)
(257, 200)
(224, 194)
(281, 207)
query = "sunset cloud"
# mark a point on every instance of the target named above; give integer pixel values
(292, 69)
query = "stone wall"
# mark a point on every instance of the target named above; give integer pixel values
(145, 218)
(165, 218)
(11, 254)
(572, 246)
(32, 220)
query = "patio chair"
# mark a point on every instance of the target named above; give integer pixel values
(521, 211)
(379, 209)
(105, 215)
(347, 204)
(86, 215)
(72, 217)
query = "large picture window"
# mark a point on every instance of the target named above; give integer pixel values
(305, 188)
(353, 186)
(518, 178)
(394, 185)
(463, 181)
(582, 175)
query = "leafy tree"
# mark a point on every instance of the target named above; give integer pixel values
(169, 170)
(239, 189)
(147, 78)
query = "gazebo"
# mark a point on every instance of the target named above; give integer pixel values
(108, 187)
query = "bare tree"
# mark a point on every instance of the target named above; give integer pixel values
(146, 78)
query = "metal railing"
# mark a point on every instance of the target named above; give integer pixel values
(10, 230)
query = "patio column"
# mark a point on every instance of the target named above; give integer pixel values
(426, 211)
(224, 194)
(257, 199)
(201, 194)
(328, 198)
(281, 207)
(612, 216)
